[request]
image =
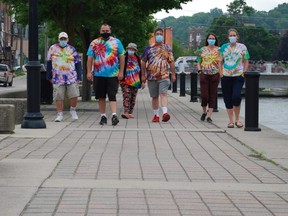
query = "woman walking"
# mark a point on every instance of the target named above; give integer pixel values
(209, 65)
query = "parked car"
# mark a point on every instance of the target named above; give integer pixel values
(6, 75)
(187, 61)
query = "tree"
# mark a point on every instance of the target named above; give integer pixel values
(130, 20)
(283, 48)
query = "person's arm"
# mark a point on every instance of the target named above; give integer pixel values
(143, 71)
(172, 68)
(121, 67)
(89, 68)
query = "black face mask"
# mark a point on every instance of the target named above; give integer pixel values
(105, 35)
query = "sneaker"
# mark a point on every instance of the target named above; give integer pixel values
(114, 120)
(209, 120)
(103, 120)
(203, 116)
(165, 117)
(59, 117)
(74, 115)
(155, 118)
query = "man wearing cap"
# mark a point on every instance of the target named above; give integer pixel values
(105, 64)
(156, 60)
(64, 70)
(131, 81)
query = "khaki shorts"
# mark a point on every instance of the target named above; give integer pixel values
(71, 90)
(157, 87)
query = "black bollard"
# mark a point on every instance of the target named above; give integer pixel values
(170, 75)
(252, 101)
(182, 84)
(193, 86)
(174, 85)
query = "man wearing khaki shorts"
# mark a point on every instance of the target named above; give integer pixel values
(64, 71)
(156, 60)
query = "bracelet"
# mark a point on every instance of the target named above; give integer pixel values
(199, 71)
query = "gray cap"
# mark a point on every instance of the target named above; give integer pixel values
(132, 46)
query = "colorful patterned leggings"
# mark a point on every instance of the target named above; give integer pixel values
(129, 97)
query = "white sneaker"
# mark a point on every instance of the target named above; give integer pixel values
(59, 117)
(74, 115)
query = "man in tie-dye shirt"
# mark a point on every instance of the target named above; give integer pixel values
(64, 70)
(156, 60)
(105, 63)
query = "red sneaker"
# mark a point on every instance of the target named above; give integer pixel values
(155, 118)
(165, 117)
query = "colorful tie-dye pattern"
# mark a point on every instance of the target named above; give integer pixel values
(132, 74)
(209, 59)
(158, 58)
(106, 56)
(233, 58)
(63, 64)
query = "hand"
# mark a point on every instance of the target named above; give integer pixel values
(173, 77)
(143, 85)
(120, 76)
(89, 76)
(143, 78)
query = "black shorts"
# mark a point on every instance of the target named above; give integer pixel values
(105, 86)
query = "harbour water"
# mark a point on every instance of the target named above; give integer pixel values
(273, 112)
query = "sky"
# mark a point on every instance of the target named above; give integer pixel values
(197, 6)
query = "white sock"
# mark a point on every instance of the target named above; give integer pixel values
(114, 114)
(164, 109)
(156, 112)
(103, 114)
(72, 108)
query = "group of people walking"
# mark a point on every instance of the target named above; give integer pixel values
(109, 65)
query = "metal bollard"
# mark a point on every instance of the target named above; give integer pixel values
(193, 86)
(174, 85)
(182, 84)
(170, 75)
(252, 101)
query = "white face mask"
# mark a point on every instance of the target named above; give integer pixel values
(232, 39)
(131, 53)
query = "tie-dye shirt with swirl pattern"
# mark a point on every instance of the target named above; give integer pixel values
(106, 55)
(132, 72)
(233, 58)
(63, 64)
(209, 59)
(158, 59)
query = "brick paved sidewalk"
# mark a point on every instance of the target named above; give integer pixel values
(182, 167)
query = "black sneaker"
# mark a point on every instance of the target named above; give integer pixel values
(103, 120)
(209, 120)
(115, 120)
(203, 116)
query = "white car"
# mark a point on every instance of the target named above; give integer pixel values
(6, 75)
(187, 64)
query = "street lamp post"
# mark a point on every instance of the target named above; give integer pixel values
(33, 117)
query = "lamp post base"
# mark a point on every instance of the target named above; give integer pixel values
(33, 120)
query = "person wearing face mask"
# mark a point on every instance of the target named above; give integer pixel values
(131, 81)
(235, 63)
(156, 60)
(208, 65)
(64, 70)
(105, 64)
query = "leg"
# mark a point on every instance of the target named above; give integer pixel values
(204, 87)
(59, 105)
(227, 90)
(126, 99)
(102, 105)
(133, 96)
(213, 87)
(237, 87)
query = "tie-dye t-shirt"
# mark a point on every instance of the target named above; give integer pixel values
(209, 59)
(63, 64)
(233, 58)
(158, 58)
(106, 56)
(132, 73)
